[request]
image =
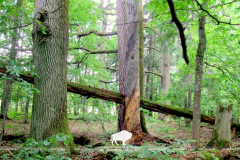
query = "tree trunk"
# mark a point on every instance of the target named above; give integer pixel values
(49, 113)
(17, 95)
(84, 108)
(198, 82)
(22, 107)
(188, 105)
(128, 11)
(26, 108)
(165, 80)
(122, 33)
(222, 131)
(141, 64)
(6, 97)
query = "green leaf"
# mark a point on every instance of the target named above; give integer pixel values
(46, 143)
(12, 62)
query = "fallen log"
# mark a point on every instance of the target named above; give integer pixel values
(94, 92)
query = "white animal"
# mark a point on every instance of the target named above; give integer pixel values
(122, 136)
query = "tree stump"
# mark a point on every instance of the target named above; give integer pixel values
(222, 131)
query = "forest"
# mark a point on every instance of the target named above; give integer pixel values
(119, 79)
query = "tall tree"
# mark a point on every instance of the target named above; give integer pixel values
(165, 70)
(198, 82)
(128, 47)
(50, 43)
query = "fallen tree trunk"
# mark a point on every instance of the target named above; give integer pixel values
(94, 92)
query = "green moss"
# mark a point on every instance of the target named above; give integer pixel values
(214, 137)
(223, 144)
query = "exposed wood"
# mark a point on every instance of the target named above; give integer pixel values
(96, 33)
(94, 92)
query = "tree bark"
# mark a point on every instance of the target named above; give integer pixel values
(198, 82)
(222, 130)
(128, 13)
(49, 113)
(122, 33)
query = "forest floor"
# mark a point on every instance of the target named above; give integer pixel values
(169, 136)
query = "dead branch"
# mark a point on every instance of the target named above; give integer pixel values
(95, 51)
(115, 69)
(96, 33)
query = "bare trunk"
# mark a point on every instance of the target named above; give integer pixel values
(198, 82)
(122, 45)
(49, 113)
(222, 130)
(128, 16)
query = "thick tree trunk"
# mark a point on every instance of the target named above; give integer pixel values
(122, 33)
(131, 116)
(93, 92)
(198, 82)
(222, 130)
(49, 113)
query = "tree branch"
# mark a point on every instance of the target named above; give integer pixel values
(224, 3)
(115, 69)
(218, 22)
(16, 27)
(96, 33)
(153, 48)
(180, 28)
(96, 51)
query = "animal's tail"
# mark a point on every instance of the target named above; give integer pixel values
(111, 138)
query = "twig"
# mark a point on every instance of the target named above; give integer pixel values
(218, 22)
(13, 155)
(16, 27)
(96, 33)
(95, 51)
